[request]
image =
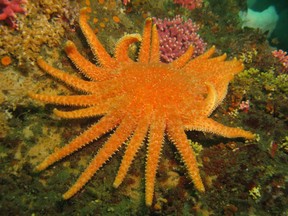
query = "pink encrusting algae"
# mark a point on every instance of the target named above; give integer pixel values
(176, 36)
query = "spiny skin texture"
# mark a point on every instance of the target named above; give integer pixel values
(139, 99)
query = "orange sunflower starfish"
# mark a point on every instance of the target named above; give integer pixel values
(140, 98)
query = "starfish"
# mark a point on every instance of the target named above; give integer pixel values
(138, 99)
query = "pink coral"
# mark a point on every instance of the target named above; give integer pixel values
(190, 4)
(282, 57)
(176, 36)
(8, 10)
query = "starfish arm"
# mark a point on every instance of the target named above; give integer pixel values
(221, 90)
(211, 126)
(3, 16)
(86, 67)
(110, 147)
(219, 58)
(155, 46)
(217, 73)
(177, 135)
(98, 50)
(122, 46)
(76, 100)
(82, 113)
(73, 81)
(206, 54)
(213, 71)
(109, 89)
(230, 67)
(223, 76)
(156, 136)
(106, 124)
(144, 53)
(199, 60)
(210, 100)
(132, 148)
(102, 108)
(182, 60)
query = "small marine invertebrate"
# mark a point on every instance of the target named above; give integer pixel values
(6, 60)
(140, 98)
(273, 148)
(244, 106)
(116, 19)
(190, 4)
(255, 193)
(176, 36)
(248, 56)
(125, 2)
(9, 8)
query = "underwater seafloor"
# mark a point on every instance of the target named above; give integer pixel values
(241, 177)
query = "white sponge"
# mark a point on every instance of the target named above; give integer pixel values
(265, 20)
